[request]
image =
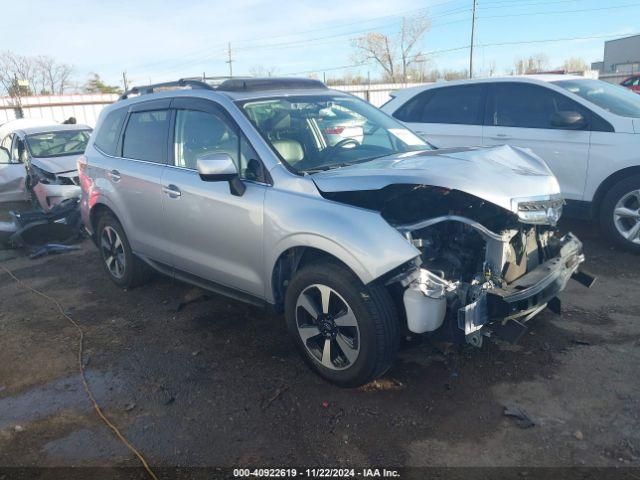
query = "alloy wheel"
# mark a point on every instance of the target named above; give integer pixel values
(112, 251)
(328, 327)
(626, 216)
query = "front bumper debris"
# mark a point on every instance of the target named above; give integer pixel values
(504, 310)
(50, 195)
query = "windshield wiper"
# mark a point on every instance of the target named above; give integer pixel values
(332, 166)
(324, 168)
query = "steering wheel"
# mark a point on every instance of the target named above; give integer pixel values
(344, 142)
(341, 144)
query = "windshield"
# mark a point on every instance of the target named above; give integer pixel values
(314, 133)
(56, 144)
(613, 98)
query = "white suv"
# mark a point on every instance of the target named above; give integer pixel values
(588, 132)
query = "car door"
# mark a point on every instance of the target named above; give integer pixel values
(446, 116)
(215, 235)
(13, 174)
(520, 114)
(134, 178)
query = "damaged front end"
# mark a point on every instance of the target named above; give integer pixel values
(483, 269)
(485, 283)
(50, 189)
(483, 220)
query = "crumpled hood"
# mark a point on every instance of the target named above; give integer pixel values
(60, 164)
(495, 174)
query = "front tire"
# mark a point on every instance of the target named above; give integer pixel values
(347, 331)
(123, 267)
(620, 214)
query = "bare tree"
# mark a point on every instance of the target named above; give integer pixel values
(575, 64)
(54, 77)
(21, 75)
(532, 64)
(262, 71)
(492, 68)
(17, 74)
(394, 54)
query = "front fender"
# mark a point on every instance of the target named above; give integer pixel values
(359, 238)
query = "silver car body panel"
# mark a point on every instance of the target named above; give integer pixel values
(13, 178)
(496, 174)
(351, 234)
(232, 255)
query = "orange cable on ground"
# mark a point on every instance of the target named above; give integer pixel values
(96, 407)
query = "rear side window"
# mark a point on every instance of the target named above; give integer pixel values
(145, 137)
(107, 137)
(530, 106)
(455, 105)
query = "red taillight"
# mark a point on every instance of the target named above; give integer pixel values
(334, 130)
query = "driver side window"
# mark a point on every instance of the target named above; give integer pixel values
(198, 133)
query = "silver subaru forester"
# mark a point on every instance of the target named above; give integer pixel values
(252, 189)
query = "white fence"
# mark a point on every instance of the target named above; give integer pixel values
(86, 107)
(57, 108)
(375, 94)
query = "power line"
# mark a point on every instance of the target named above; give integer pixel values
(519, 3)
(205, 54)
(412, 57)
(497, 44)
(175, 66)
(194, 58)
(549, 40)
(551, 12)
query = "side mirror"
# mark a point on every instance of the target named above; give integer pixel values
(5, 156)
(568, 119)
(219, 167)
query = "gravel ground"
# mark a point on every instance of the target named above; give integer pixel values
(220, 384)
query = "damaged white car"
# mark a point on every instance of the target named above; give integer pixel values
(236, 188)
(39, 164)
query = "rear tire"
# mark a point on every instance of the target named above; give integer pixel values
(620, 214)
(353, 336)
(123, 267)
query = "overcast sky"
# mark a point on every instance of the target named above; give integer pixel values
(158, 41)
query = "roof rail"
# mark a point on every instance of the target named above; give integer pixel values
(183, 82)
(269, 83)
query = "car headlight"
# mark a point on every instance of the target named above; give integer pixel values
(545, 210)
(42, 176)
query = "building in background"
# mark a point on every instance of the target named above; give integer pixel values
(621, 56)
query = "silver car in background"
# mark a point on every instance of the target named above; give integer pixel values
(238, 190)
(39, 163)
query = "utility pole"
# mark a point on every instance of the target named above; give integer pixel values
(230, 61)
(125, 82)
(473, 28)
